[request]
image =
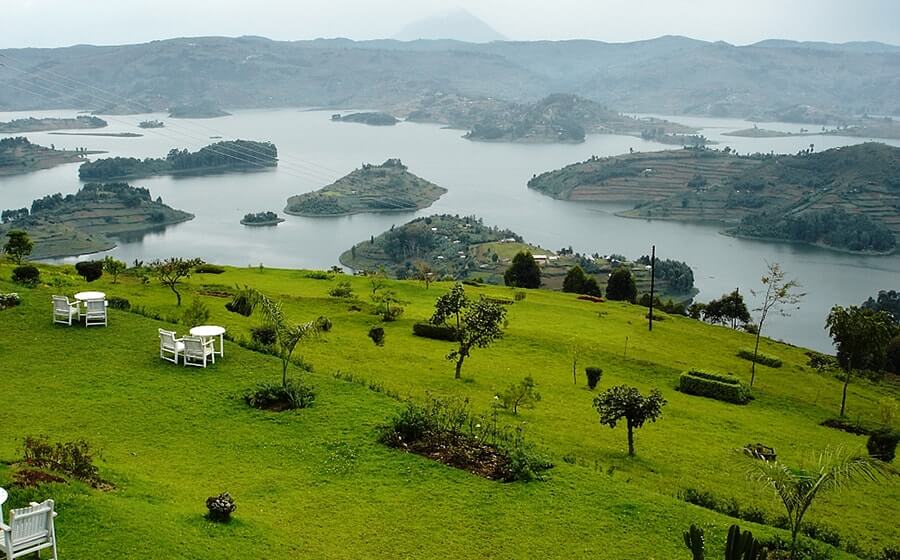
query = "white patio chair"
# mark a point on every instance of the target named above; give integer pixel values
(169, 346)
(197, 350)
(30, 530)
(64, 310)
(95, 313)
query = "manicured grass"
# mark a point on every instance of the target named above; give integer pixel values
(315, 484)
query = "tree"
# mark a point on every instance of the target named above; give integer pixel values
(777, 295)
(113, 267)
(519, 394)
(478, 323)
(18, 245)
(730, 308)
(524, 272)
(626, 402)
(621, 286)
(377, 280)
(424, 273)
(888, 301)
(577, 282)
(797, 488)
(287, 335)
(172, 270)
(860, 335)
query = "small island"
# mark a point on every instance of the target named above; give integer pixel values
(106, 134)
(221, 157)
(757, 132)
(198, 111)
(261, 219)
(151, 124)
(31, 124)
(388, 187)
(18, 155)
(89, 220)
(372, 119)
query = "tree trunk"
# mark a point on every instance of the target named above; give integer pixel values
(284, 368)
(755, 352)
(459, 364)
(630, 439)
(846, 383)
(177, 295)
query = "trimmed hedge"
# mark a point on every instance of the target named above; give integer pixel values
(436, 332)
(761, 358)
(207, 268)
(717, 386)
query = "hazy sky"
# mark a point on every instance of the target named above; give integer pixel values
(44, 23)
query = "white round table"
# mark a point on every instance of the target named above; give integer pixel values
(3, 497)
(211, 331)
(84, 296)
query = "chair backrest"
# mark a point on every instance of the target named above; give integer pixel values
(193, 345)
(61, 304)
(32, 523)
(96, 307)
(167, 339)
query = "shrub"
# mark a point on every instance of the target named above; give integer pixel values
(220, 507)
(318, 275)
(197, 313)
(593, 376)
(207, 268)
(290, 396)
(499, 300)
(521, 394)
(324, 324)
(342, 290)
(761, 358)
(436, 332)
(714, 385)
(26, 274)
(89, 270)
(72, 458)
(377, 335)
(263, 334)
(9, 300)
(117, 302)
(882, 444)
(519, 295)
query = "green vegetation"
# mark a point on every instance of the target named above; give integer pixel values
(231, 155)
(315, 460)
(31, 124)
(388, 187)
(524, 272)
(621, 286)
(625, 402)
(18, 245)
(18, 155)
(201, 110)
(261, 219)
(373, 119)
(719, 386)
(152, 124)
(759, 357)
(757, 132)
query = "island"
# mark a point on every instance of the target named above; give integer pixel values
(388, 187)
(89, 220)
(261, 219)
(221, 157)
(31, 124)
(757, 132)
(845, 199)
(372, 119)
(106, 134)
(151, 124)
(464, 248)
(197, 111)
(18, 155)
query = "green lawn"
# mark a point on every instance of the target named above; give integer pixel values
(315, 483)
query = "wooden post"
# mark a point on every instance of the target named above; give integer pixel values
(652, 285)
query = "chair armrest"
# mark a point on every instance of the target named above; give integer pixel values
(5, 528)
(33, 504)
(178, 339)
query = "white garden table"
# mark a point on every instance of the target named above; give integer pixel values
(84, 296)
(211, 331)
(3, 497)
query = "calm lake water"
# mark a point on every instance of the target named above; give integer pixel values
(484, 179)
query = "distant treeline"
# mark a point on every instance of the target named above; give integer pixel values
(833, 227)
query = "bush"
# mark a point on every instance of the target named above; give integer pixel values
(263, 334)
(436, 332)
(270, 396)
(761, 358)
(499, 300)
(882, 444)
(377, 335)
(220, 507)
(89, 270)
(593, 376)
(27, 275)
(324, 324)
(9, 300)
(72, 458)
(519, 295)
(207, 268)
(714, 385)
(197, 313)
(318, 275)
(342, 290)
(117, 302)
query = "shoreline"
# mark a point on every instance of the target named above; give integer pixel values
(263, 224)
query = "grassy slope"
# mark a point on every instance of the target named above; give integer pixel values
(314, 482)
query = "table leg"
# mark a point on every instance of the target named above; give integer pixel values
(222, 345)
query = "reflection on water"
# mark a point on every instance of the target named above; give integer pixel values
(484, 179)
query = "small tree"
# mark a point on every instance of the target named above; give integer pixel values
(797, 488)
(113, 267)
(478, 324)
(729, 309)
(626, 402)
(859, 334)
(778, 294)
(577, 282)
(621, 286)
(424, 273)
(377, 280)
(18, 245)
(524, 272)
(171, 271)
(521, 394)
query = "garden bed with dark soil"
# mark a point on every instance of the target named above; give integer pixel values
(461, 452)
(29, 478)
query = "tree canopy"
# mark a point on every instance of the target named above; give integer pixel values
(621, 286)
(623, 401)
(524, 272)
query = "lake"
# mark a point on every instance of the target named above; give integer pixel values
(484, 179)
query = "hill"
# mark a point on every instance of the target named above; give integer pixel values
(845, 198)
(220, 157)
(32, 124)
(459, 24)
(18, 155)
(89, 220)
(388, 187)
(109, 387)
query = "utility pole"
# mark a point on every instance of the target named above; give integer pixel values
(652, 285)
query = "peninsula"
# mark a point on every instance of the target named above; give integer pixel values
(18, 155)
(373, 119)
(31, 124)
(197, 111)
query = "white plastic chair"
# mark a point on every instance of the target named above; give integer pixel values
(169, 346)
(63, 310)
(30, 530)
(95, 313)
(196, 351)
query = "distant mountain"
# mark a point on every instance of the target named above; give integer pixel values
(459, 24)
(855, 46)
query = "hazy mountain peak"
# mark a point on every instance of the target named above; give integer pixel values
(457, 24)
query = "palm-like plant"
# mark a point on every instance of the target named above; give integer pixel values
(797, 488)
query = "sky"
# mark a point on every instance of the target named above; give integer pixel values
(52, 23)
